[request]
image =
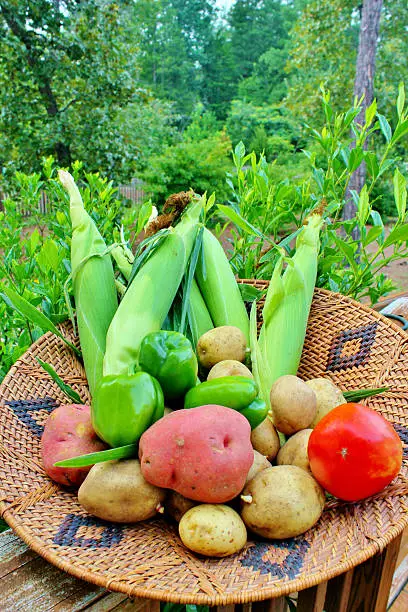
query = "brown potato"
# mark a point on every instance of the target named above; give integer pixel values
(294, 451)
(116, 491)
(214, 530)
(265, 439)
(219, 344)
(328, 397)
(293, 404)
(229, 367)
(260, 463)
(282, 502)
(177, 505)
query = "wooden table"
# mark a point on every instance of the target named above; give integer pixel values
(27, 582)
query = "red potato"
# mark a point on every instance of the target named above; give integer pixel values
(202, 453)
(68, 432)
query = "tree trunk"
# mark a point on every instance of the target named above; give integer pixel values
(364, 85)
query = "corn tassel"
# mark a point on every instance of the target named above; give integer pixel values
(93, 283)
(219, 288)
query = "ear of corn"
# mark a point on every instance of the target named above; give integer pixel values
(287, 306)
(198, 316)
(93, 283)
(218, 286)
(144, 306)
(150, 294)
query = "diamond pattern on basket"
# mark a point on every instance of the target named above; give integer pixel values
(403, 434)
(75, 527)
(257, 557)
(351, 348)
(33, 412)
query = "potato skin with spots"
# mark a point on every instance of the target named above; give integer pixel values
(68, 432)
(203, 453)
(221, 343)
(260, 463)
(286, 501)
(265, 439)
(213, 530)
(116, 491)
(294, 451)
(176, 505)
(229, 367)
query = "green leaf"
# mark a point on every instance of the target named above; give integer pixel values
(348, 250)
(239, 154)
(112, 454)
(372, 234)
(359, 394)
(250, 293)
(400, 194)
(28, 311)
(363, 207)
(49, 256)
(400, 131)
(398, 234)
(192, 264)
(239, 221)
(370, 112)
(372, 163)
(385, 127)
(400, 99)
(355, 159)
(66, 389)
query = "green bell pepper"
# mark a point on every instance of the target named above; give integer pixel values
(169, 357)
(235, 392)
(124, 406)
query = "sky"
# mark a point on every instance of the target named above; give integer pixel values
(224, 3)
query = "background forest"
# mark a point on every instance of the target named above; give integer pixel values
(163, 90)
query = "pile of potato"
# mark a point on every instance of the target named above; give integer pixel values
(204, 467)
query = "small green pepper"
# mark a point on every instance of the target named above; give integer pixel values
(235, 392)
(231, 391)
(256, 412)
(124, 406)
(169, 357)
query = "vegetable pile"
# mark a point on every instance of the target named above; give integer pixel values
(194, 414)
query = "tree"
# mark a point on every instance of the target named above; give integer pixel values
(364, 86)
(67, 69)
(255, 26)
(174, 41)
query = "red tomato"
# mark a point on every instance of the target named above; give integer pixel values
(354, 452)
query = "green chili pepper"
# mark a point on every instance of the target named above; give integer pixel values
(231, 391)
(235, 392)
(124, 406)
(111, 454)
(256, 412)
(169, 357)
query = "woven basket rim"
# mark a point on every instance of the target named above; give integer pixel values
(260, 593)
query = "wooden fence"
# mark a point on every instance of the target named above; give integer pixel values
(132, 192)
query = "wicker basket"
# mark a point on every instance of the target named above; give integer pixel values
(346, 341)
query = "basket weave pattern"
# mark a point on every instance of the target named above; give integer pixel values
(347, 342)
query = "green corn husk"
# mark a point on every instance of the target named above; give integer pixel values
(199, 318)
(286, 309)
(150, 294)
(219, 287)
(124, 259)
(93, 283)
